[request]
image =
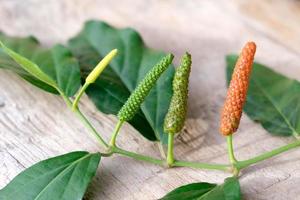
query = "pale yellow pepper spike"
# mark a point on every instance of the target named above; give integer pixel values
(91, 78)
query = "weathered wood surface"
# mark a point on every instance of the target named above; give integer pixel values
(35, 125)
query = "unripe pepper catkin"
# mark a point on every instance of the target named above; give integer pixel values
(138, 96)
(237, 90)
(175, 118)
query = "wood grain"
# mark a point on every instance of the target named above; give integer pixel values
(35, 125)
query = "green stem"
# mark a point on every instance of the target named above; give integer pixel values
(66, 99)
(76, 101)
(176, 163)
(138, 156)
(84, 120)
(115, 134)
(238, 165)
(230, 150)
(170, 155)
(201, 165)
(91, 128)
(264, 156)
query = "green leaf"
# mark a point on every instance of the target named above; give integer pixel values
(190, 191)
(49, 69)
(134, 60)
(232, 189)
(65, 177)
(273, 99)
(229, 190)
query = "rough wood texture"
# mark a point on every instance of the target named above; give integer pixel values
(35, 125)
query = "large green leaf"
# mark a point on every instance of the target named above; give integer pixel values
(64, 177)
(134, 60)
(229, 190)
(273, 99)
(48, 69)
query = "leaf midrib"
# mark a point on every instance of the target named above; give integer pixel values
(294, 132)
(60, 174)
(207, 190)
(205, 194)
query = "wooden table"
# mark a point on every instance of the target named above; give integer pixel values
(35, 125)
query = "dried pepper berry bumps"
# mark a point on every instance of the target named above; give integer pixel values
(138, 96)
(174, 120)
(237, 91)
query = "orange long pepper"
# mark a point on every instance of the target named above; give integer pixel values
(237, 91)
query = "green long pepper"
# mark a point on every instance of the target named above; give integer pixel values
(138, 96)
(174, 120)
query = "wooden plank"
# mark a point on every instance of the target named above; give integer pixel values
(32, 129)
(279, 20)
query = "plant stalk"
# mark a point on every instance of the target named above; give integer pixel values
(138, 156)
(238, 165)
(84, 120)
(198, 165)
(230, 150)
(80, 93)
(264, 156)
(115, 133)
(149, 159)
(170, 155)
(91, 128)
